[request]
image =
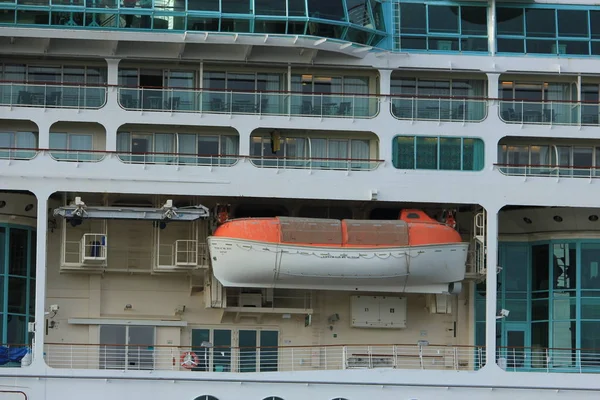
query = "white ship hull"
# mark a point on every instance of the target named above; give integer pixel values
(419, 269)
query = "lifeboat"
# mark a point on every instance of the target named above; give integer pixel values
(414, 254)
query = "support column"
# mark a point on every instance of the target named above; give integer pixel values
(112, 80)
(112, 102)
(491, 306)
(385, 81)
(492, 27)
(44, 133)
(40, 278)
(244, 149)
(493, 93)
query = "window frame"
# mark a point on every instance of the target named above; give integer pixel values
(415, 161)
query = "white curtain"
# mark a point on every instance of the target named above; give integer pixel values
(318, 151)
(359, 150)
(26, 140)
(338, 149)
(163, 143)
(186, 148)
(229, 148)
(361, 104)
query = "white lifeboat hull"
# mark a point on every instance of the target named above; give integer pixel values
(417, 269)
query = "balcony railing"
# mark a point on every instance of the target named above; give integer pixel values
(549, 112)
(548, 359)
(553, 171)
(344, 164)
(183, 159)
(12, 153)
(52, 95)
(263, 359)
(439, 109)
(253, 103)
(215, 160)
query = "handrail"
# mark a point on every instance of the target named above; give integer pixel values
(192, 159)
(553, 171)
(544, 166)
(118, 152)
(270, 347)
(381, 95)
(262, 359)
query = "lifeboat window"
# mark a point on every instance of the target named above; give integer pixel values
(413, 216)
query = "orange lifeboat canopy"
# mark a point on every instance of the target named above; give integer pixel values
(413, 228)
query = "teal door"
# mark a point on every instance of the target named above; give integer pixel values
(516, 343)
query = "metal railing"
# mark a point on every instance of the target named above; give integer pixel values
(548, 359)
(183, 159)
(346, 164)
(253, 103)
(551, 171)
(263, 359)
(547, 112)
(439, 109)
(52, 95)
(179, 159)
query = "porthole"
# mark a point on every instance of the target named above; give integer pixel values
(557, 218)
(28, 207)
(2, 204)
(527, 220)
(593, 218)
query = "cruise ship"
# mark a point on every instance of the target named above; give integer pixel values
(293, 199)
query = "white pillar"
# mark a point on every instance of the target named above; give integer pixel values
(385, 81)
(491, 307)
(44, 133)
(492, 27)
(493, 93)
(245, 134)
(40, 278)
(112, 102)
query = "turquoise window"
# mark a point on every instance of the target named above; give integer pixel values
(543, 29)
(431, 26)
(438, 153)
(17, 282)
(360, 21)
(552, 290)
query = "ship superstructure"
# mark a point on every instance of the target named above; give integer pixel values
(293, 199)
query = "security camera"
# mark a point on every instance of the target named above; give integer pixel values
(54, 307)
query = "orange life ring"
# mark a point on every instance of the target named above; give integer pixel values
(189, 360)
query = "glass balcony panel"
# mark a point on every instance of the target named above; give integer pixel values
(265, 103)
(55, 96)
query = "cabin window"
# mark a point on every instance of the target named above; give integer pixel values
(307, 152)
(258, 349)
(435, 27)
(17, 266)
(438, 153)
(177, 148)
(126, 347)
(546, 30)
(11, 141)
(74, 143)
